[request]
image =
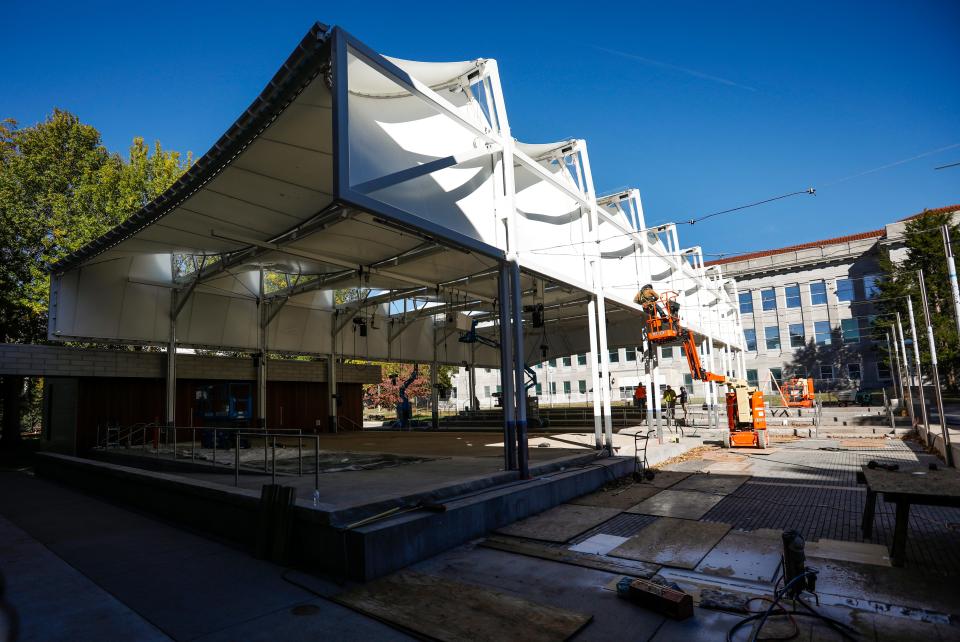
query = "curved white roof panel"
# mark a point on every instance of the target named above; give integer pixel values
(400, 180)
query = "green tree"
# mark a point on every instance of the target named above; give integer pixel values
(925, 251)
(59, 189)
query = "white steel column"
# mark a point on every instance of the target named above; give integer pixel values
(332, 391)
(261, 357)
(593, 358)
(171, 410)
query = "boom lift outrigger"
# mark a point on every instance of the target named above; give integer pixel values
(746, 416)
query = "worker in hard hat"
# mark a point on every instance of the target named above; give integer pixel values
(648, 300)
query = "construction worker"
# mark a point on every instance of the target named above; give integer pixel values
(640, 398)
(683, 401)
(648, 298)
(670, 397)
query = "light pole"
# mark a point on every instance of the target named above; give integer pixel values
(948, 456)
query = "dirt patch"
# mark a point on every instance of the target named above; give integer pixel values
(864, 443)
(700, 452)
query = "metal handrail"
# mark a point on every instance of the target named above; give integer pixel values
(273, 467)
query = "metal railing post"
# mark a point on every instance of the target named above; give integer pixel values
(174, 442)
(316, 464)
(264, 451)
(236, 462)
(214, 446)
(193, 444)
(300, 456)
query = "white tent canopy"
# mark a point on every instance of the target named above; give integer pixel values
(398, 179)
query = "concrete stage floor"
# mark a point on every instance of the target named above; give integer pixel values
(65, 553)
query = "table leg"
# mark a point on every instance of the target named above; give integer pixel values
(900, 533)
(868, 511)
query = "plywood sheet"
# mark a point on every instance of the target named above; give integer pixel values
(563, 555)
(443, 609)
(622, 498)
(680, 543)
(861, 552)
(561, 523)
(720, 484)
(749, 555)
(685, 504)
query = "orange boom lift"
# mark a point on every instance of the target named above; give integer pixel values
(746, 416)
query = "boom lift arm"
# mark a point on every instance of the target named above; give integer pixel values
(746, 414)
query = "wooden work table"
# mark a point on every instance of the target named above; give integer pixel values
(903, 487)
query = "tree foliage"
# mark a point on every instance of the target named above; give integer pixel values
(925, 251)
(59, 189)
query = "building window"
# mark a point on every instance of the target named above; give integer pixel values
(750, 337)
(746, 302)
(582, 386)
(883, 371)
(845, 291)
(821, 331)
(871, 286)
(769, 299)
(614, 356)
(631, 354)
(797, 337)
(777, 374)
(850, 329)
(752, 377)
(818, 293)
(581, 359)
(772, 335)
(540, 366)
(499, 390)
(539, 389)
(567, 362)
(553, 387)
(667, 353)
(688, 382)
(552, 363)
(853, 371)
(566, 387)
(826, 372)
(453, 392)
(487, 370)
(793, 296)
(486, 392)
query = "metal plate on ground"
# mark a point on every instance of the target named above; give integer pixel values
(622, 498)
(667, 478)
(685, 504)
(561, 523)
(447, 610)
(719, 484)
(862, 552)
(749, 555)
(681, 543)
(599, 544)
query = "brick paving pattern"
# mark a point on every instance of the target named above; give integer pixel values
(811, 486)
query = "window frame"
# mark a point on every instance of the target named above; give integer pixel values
(764, 300)
(747, 339)
(802, 336)
(767, 337)
(817, 333)
(789, 297)
(814, 296)
(746, 299)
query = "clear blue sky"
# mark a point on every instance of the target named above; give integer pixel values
(703, 106)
